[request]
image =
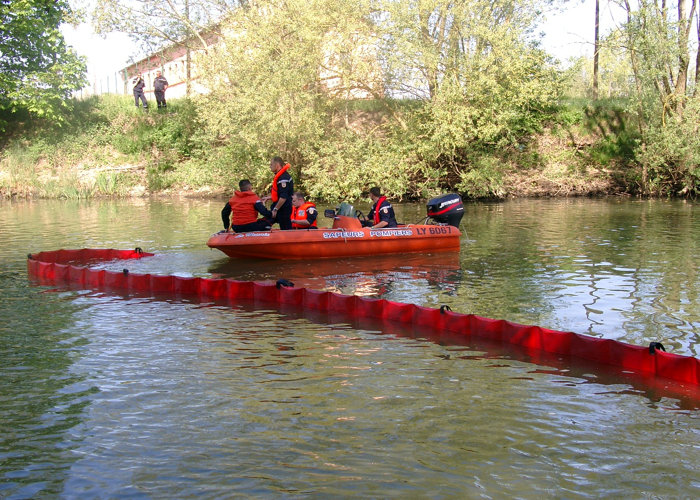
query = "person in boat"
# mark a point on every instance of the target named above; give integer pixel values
(304, 212)
(381, 214)
(240, 214)
(281, 193)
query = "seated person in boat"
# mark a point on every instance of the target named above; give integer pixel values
(381, 214)
(304, 212)
(240, 214)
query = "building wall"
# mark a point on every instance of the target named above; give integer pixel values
(172, 63)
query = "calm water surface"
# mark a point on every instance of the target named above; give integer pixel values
(111, 395)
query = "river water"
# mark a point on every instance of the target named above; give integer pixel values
(106, 395)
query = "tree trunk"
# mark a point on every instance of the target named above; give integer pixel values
(697, 55)
(683, 57)
(596, 49)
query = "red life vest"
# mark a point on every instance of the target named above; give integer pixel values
(381, 200)
(273, 193)
(243, 207)
(300, 213)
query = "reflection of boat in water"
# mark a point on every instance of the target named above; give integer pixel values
(347, 237)
(357, 275)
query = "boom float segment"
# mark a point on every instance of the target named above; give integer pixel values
(72, 266)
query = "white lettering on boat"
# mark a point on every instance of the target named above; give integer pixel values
(344, 234)
(391, 232)
(254, 235)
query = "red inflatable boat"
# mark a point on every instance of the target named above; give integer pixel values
(347, 237)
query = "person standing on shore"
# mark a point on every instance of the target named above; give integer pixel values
(139, 85)
(160, 85)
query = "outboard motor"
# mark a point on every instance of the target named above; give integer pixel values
(446, 209)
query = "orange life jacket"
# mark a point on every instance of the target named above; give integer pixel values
(381, 200)
(243, 207)
(274, 194)
(300, 213)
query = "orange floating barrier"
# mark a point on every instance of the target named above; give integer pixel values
(72, 266)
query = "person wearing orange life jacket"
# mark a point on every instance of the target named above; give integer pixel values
(281, 193)
(382, 213)
(245, 207)
(304, 213)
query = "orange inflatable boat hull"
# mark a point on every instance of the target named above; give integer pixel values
(346, 239)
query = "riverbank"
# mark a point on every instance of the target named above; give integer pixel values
(108, 148)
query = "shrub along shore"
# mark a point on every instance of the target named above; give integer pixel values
(108, 148)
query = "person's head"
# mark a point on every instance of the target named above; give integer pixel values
(375, 193)
(245, 185)
(158, 73)
(276, 164)
(298, 199)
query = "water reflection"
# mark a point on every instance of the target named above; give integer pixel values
(106, 395)
(376, 276)
(42, 398)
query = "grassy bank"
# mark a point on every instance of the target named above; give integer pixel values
(107, 147)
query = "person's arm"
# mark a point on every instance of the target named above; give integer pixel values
(311, 214)
(369, 222)
(380, 224)
(262, 209)
(285, 190)
(277, 206)
(301, 222)
(226, 216)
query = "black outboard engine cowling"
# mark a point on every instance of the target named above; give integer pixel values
(446, 209)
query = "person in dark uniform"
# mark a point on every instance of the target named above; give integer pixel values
(139, 85)
(381, 214)
(304, 212)
(245, 206)
(281, 193)
(160, 85)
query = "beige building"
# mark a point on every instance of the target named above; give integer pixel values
(176, 62)
(177, 65)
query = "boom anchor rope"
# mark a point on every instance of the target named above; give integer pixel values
(653, 346)
(283, 282)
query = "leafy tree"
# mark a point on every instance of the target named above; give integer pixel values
(482, 81)
(462, 76)
(155, 23)
(272, 82)
(657, 41)
(38, 72)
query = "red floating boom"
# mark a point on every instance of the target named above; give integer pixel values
(71, 266)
